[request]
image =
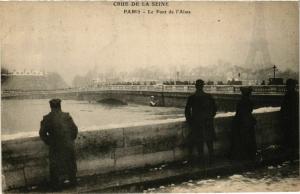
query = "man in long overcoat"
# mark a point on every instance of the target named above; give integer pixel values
(199, 112)
(289, 113)
(59, 132)
(243, 138)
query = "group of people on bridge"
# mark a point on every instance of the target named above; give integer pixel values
(59, 131)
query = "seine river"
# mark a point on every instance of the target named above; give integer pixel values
(19, 116)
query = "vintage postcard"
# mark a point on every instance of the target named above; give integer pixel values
(149, 96)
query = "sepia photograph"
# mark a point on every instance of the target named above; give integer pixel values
(149, 96)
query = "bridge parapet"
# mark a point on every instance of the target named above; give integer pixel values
(230, 89)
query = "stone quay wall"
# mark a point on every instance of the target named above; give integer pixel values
(25, 162)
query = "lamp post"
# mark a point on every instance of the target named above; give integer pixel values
(274, 71)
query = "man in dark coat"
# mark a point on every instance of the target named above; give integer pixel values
(199, 112)
(243, 143)
(289, 113)
(59, 132)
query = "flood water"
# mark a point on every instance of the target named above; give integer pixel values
(19, 116)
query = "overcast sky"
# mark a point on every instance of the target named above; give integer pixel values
(73, 37)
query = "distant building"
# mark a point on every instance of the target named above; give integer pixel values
(275, 81)
(234, 82)
(250, 82)
(31, 80)
(29, 73)
(26, 73)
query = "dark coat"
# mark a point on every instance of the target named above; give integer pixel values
(199, 112)
(289, 114)
(59, 131)
(243, 131)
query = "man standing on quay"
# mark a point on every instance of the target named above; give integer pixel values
(199, 112)
(58, 131)
(289, 113)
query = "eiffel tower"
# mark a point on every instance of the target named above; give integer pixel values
(258, 55)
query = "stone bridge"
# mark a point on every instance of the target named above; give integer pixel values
(226, 96)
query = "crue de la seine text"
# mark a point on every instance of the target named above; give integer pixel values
(149, 8)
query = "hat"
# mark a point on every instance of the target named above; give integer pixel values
(55, 103)
(246, 90)
(291, 82)
(199, 82)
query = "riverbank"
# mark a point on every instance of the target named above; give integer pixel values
(182, 177)
(281, 177)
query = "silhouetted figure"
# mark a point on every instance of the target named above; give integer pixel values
(59, 131)
(243, 145)
(289, 113)
(199, 112)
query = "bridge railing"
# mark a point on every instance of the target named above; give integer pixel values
(227, 89)
(231, 89)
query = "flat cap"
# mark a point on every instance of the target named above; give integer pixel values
(291, 82)
(55, 102)
(199, 82)
(246, 90)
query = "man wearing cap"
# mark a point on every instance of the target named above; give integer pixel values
(59, 132)
(199, 112)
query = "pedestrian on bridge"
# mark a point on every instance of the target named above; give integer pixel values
(199, 112)
(59, 132)
(289, 114)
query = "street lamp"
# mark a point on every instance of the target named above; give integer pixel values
(274, 70)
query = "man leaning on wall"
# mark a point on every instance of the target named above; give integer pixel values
(199, 112)
(289, 114)
(59, 132)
